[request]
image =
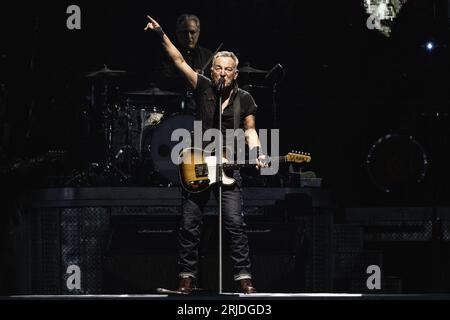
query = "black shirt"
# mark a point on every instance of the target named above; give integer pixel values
(208, 110)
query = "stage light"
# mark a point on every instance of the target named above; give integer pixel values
(430, 46)
(382, 14)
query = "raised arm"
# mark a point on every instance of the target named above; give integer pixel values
(172, 51)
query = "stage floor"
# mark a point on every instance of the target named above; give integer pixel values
(234, 296)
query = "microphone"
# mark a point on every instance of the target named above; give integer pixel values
(221, 83)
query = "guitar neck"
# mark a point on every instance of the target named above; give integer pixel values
(233, 165)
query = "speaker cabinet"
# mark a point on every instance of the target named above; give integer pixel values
(59, 251)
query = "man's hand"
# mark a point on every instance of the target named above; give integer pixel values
(262, 161)
(152, 25)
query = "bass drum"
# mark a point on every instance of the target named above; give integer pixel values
(396, 162)
(158, 147)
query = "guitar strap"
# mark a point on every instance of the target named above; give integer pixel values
(236, 118)
(237, 110)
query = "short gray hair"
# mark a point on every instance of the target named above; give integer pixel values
(182, 19)
(227, 54)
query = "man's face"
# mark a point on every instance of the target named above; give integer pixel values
(226, 67)
(188, 34)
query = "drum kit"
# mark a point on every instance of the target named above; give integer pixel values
(135, 129)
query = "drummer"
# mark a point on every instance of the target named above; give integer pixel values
(168, 77)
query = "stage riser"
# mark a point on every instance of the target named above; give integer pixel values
(120, 249)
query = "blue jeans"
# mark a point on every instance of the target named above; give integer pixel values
(233, 221)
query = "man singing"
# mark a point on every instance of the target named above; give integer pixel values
(237, 102)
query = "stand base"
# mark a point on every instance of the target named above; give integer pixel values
(194, 291)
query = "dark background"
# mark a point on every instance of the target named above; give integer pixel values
(345, 86)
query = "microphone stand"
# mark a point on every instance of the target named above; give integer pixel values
(272, 74)
(219, 180)
(274, 105)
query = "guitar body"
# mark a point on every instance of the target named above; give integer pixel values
(198, 170)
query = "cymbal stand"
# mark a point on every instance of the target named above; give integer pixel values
(277, 79)
(109, 115)
(128, 151)
(112, 159)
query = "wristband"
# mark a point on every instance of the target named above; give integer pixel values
(159, 32)
(257, 150)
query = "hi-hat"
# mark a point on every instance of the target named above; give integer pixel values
(248, 69)
(152, 92)
(105, 72)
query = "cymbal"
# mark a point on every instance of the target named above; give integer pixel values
(152, 92)
(248, 69)
(105, 72)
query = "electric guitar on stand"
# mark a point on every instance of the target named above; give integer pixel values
(197, 169)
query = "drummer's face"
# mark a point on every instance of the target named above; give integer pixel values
(188, 34)
(224, 67)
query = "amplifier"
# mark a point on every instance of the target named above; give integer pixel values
(393, 223)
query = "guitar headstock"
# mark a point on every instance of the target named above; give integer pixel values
(298, 157)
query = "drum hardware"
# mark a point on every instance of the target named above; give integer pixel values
(154, 118)
(145, 115)
(138, 119)
(126, 154)
(152, 92)
(396, 162)
(154, 98)
(112, 156)
(249, 87)
(157, 148)
(252, 78)
(202, 70)
(104, 111)
(120, 121)
(275, 76)
(110, 169)
(105, 72)
(250, 70)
